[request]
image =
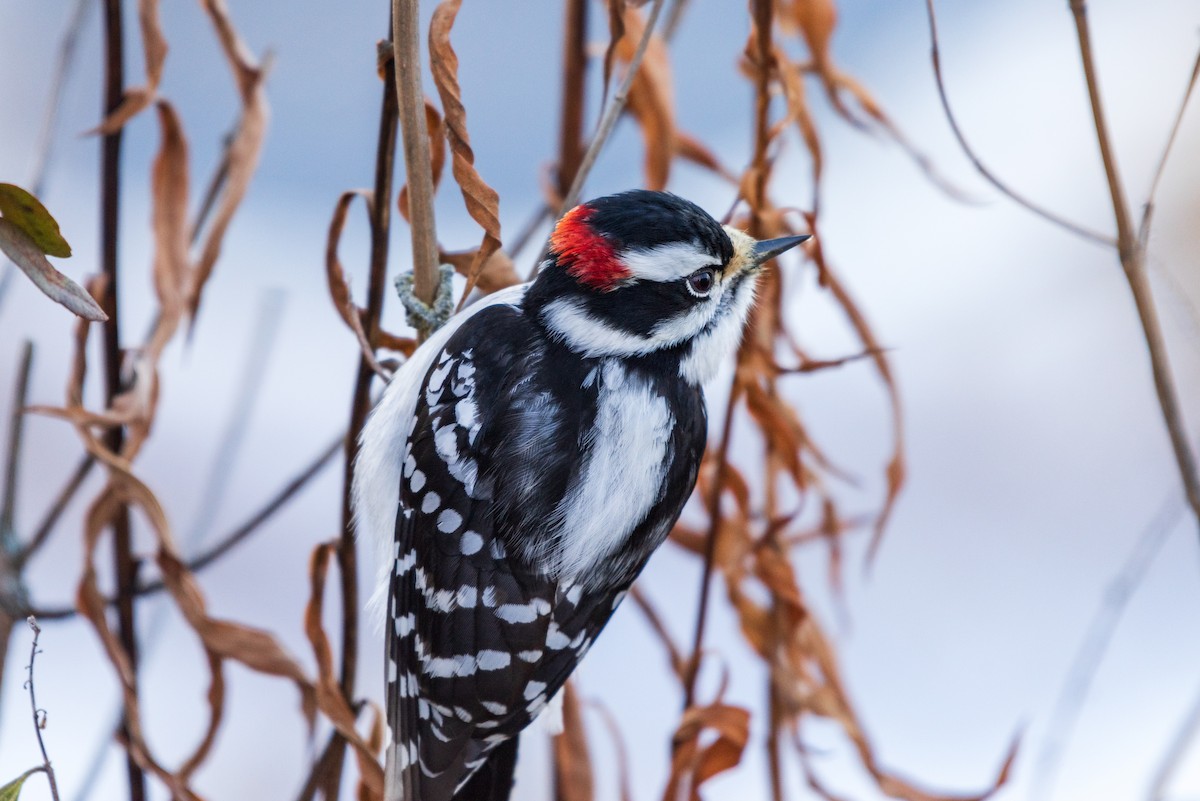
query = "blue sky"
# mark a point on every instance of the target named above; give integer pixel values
(1036, 455)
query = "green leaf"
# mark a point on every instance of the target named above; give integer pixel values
(12, 790)
(27, 213)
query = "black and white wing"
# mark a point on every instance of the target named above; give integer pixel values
(487, 452)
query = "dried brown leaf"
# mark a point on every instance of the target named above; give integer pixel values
(154, 47)
(616, 29)
(689, 148)
(895, 471)
(244, 148)
(816, 20)
(572, 762)
(169, 198)
(692, 764)
(798, 111)
(498, 273)
(26, 254)
(329, 692)
(339, 286)
(482, 202)
(650, 99)
(659, 627)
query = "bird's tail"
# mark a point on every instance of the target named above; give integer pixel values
(493, 781)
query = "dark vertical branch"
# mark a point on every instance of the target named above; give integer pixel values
(710, 545)
(347, 556)
(570, 134)
(761, 10)
(110, 192)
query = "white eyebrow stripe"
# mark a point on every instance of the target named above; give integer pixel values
(667, 262)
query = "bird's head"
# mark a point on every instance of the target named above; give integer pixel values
(644, 272)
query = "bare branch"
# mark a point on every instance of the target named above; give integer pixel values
(991, 177)
(1176, 751)
(39, 715)
(411, 102)
(692, 667)
(1133, 260)
(611, 114)
(1148, 211)
(56, 509)
(62, 68)
(16, 428)
(235, 537)
(1091, 651)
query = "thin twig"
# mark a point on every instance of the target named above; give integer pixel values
(526, 232)
(66, 59)
(37, 176)
(39, 715)
(319, 775)
(16, 430)
(235, 537)
(258, 350)
(411, 103)
(1078, 681)
(611, 113)
(1179, 748)
(1148, 210)
(674, 17)
(56, 509)
(1133, 260)
(347, 554)
(710, 544)
(991, 177)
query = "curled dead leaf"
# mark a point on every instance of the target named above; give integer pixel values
(497, 273)
(154, 48)
(328, 691)
(572, 762)
(692, 764)
(650, 100)
(482, 202)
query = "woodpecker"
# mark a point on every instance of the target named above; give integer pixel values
(525, 462)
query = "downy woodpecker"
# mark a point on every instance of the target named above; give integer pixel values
(522, 466)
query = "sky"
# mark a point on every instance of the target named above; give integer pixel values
(1037, 457)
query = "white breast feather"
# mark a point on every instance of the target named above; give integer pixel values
(384, 443)
(622, 478)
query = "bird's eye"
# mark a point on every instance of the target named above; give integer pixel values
(700, 283)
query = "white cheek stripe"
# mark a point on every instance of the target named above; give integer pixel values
(668, 262)
(593, 338)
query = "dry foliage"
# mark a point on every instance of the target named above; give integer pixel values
(749, 534)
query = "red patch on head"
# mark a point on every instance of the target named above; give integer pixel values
(586, 255)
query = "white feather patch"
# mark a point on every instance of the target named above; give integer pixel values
(668, 262)
(621, 479)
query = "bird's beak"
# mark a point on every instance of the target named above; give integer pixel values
(768, 249)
